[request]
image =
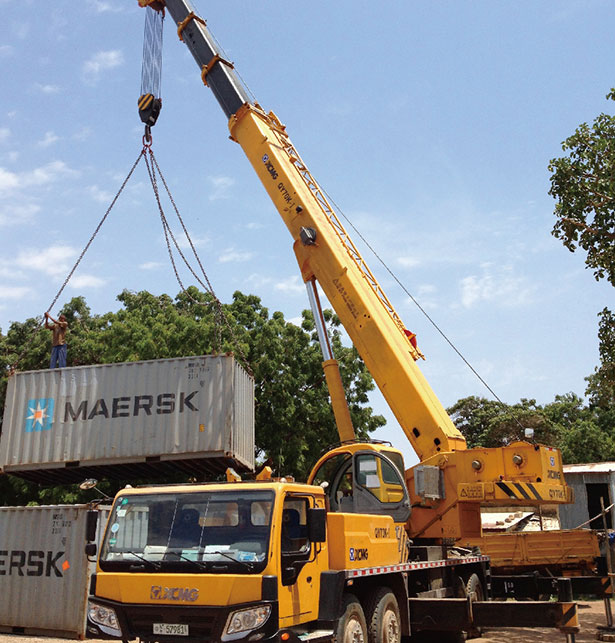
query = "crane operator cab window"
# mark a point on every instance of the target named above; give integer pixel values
(364, 482)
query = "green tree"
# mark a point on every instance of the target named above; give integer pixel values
(293, 417)
(567, 423)
(487, 423)
(583, 185)
(601, 383)
(586, 442)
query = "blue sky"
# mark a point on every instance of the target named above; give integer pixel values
(430, 124)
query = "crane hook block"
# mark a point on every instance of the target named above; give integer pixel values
(149, 108)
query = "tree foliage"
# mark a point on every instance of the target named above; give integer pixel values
(568, 423)
(583, 185)
(293, 417)
(487, 423)
(601, 383)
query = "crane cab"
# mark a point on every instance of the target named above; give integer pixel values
(364, 478)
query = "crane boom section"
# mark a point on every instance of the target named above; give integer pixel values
(367, 315)
(333, 260)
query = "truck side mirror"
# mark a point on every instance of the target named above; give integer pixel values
(91, 524)
(90, 550)
(317, 524)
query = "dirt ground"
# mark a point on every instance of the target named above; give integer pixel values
(591, 614)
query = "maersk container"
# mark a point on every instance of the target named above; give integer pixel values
(44, 572)
(134, 419)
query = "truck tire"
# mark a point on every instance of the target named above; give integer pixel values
(474, 589)
(383, 619)
(352, 627)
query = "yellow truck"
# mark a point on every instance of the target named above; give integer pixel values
(273, 560)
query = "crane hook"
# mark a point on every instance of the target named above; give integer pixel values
(147, 137)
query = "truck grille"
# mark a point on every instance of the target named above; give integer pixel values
(205, 623)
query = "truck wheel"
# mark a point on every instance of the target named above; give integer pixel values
(384, 622)
(474, 589)
(352, 627)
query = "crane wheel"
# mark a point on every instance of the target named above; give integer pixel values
(474, 589)
(352, 627)
(383, 619)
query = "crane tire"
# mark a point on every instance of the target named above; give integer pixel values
(474, 588)
(352, 627)
(476, 592)
(383, 618)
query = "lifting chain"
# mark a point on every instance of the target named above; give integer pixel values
(220, 318)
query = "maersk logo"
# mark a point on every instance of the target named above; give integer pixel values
(123, 407)
(39, 415)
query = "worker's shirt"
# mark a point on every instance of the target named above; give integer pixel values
(59, 333)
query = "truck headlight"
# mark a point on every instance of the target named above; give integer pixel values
(248, 619)
(105, 618)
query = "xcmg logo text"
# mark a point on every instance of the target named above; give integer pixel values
(158, 593)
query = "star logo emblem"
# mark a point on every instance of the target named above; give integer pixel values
(39, 415)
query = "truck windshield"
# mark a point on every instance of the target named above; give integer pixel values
(189, 532)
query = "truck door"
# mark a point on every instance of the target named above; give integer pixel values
(301, 563)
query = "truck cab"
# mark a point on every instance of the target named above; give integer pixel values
(212, 562)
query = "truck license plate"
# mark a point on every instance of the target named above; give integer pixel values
(171, 629)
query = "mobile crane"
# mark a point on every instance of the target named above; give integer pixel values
(362, 550)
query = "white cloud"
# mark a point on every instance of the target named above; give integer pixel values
(8, 180)
(183, 243)
(150, 265)
(426, 289)
(233, 256)
(86, 281)
(100, 195)
(408, 262)
(498, 285)
(104, 7)
(220, 187)
(291, 285)
(102, 61)
(47, 89)
(14, 292)
(6, 51)
(258, 281)
(49, 173)
(53, 261)
(5, 132)
(8, 271)
(17, 212)
(50, 139)
(19, 202)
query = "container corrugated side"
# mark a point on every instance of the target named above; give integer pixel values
(195, 414)
(44, 573)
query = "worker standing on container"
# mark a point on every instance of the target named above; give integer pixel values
(58, 340)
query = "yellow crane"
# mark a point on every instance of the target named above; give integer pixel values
(359, 552)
